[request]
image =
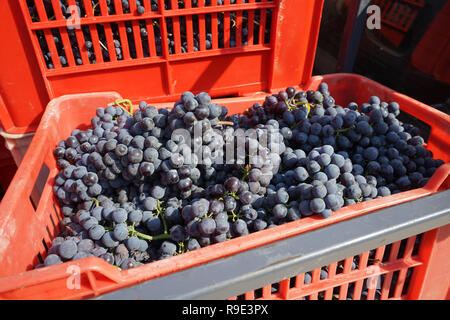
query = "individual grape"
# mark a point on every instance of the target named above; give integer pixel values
(319, 190)
(259, 224)
(89, 223)
(150, 203)
(52, 259)
(128, 263)
(320, 177)
(108, 240)
(354, 191)
(249, 213)
(254, 175)
(348, 166)
(331, 186)
(218, 237)
(240, 227)
(158, 192)
(216, 207)
(207, 226)
(300, 174)
(326, 213)
(229, 203)
(168, 248)
(178, 233)
(185, 184)
(200, 207)
(135, 155)
(313, 167)
(192, 244)
(317, 205)
(246, 197)
(232, 184)
(67, 249)
(202, 112)
(324, 160)
(98, 251)
(81, 215)
(86, 245)
(332, 202)
(143, 245)
(371, 153)
(176, 160)
(108, 257)
(153, 224)
(146, 168)
(173, 215)
(135, 216)
(279, 211)
(203, 98)
(332, 171)
(96, 232)
(81, 255)
(338, 160)
(119, 215)
(120, 232)
(403, 183)
(307, 278)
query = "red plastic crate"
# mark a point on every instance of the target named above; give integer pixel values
(27, 229)
(396, 271)
(261, 65)
(433, 51)
(397, 17)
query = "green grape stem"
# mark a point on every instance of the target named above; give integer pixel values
(338, 131)
(232, 194)
(182, 248)
(246, 170)
(234, 216)
(160, 213)
(144, 236)
(165, 235)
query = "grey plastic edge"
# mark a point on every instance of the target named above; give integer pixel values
(252, 269)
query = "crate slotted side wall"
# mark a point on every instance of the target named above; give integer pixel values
(152, 65)
(384, 273)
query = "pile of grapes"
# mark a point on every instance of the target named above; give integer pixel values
(142, 186)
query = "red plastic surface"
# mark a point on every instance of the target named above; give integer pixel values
(25, 232)
(400, 270)
(432, 54)
(239, 70)
(397, 18)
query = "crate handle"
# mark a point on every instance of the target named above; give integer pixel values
(438, 178)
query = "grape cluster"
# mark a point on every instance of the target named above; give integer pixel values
(145, 185)
(150, 183)
(143, 29)
(379, 150)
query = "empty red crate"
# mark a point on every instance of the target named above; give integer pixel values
(27, 229)
(432, 52)
(279, 51)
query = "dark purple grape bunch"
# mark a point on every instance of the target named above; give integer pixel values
(313, 180)
(192, 109)
(371, 135)
(146, 184)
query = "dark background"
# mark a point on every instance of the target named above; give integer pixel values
(379, 59)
